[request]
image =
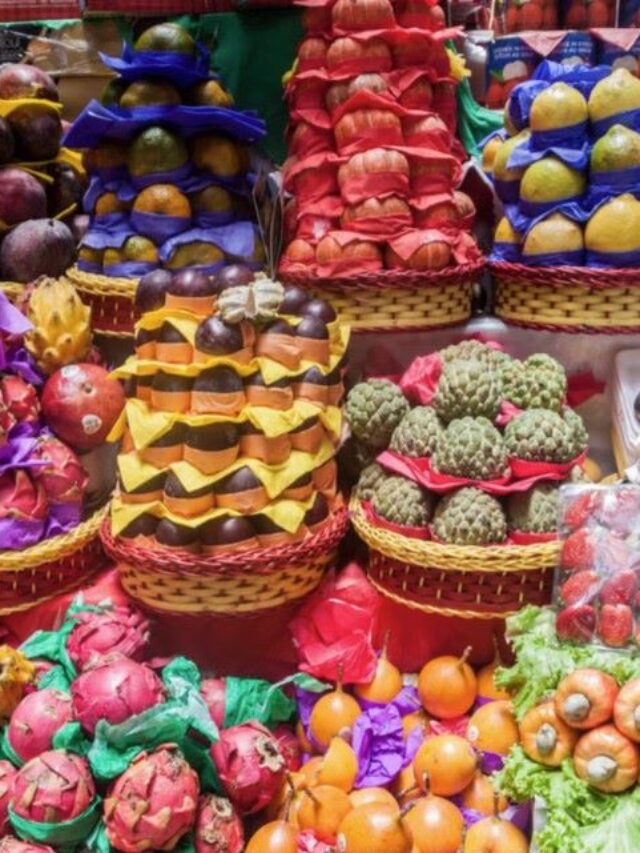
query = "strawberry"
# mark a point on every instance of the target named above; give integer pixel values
(579, 550)
(576, 623)
(619, 589)
(613, 554)
(581, 508)
(615, 625)
(620, 509)
(580, 588)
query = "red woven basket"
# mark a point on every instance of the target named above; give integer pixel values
(111, 300)
(481, 582)
(237, 583)
(53, 567)
(568, 299)
(396, 300)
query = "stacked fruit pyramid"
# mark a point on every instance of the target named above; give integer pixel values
(168, 160)
(568, 171)
(104, 749)
(442, 734)
(374, 165)
(233, 416)
(39, 180)
(480, 459)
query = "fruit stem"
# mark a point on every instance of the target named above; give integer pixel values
(340, 678)
(407, 791)
(465, 656)
(311, 795)
(496, 804)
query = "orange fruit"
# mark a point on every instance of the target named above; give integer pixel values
(156, 149)
(322, 810)
(486, 684)
(598, 14)
(493, 727)
(495, 96)
(149, 93)
(212, 200)
(404, 786)
(549, 18)
(163, 199)
(275, 837)
(309, 773)
(303, 740)
(436, 825)
(333, 715)
(386, 682)
(413, 720)
(445, 765)
(220, 155)
(211, 93)
(92, 256)
(576, 17)
(366, 796)
(447, 686)
(108, 155)
(531, 15)
(339, 766)
(493, 835)
(374, 828)
(109, 203)
(196, 254)
(480, 796)
(513, 19)
(136, 248)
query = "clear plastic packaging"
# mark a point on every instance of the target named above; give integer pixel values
(597, 583)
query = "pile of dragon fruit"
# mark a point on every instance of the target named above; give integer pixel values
(104, 750)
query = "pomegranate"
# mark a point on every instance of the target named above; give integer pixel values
(81, 403)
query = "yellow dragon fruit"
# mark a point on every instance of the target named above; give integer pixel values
(16, 671)
(61, 333)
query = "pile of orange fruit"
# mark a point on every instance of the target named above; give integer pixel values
(413, 814)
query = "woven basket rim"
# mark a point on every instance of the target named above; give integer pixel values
(103, 285)
(459, 558)
(577, 276)
(264, 560)
(56, 548)
(400, 279)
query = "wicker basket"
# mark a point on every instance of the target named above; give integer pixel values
(240, 583)
(456, 580)
(568, 299)
(397, 300)
(52, 567)
(110, 299)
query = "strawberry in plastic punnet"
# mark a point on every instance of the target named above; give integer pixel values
(250, 766)
(218, 827)
(114, 690)
(36, 720)
(576, 623)
(108, 631)
(53, 788)
(153, 804)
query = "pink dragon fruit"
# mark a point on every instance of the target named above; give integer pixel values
(9, 844)
(20, 498)
(250, 766)
(114, 690)
(63, 477)
(121, 630)
(52, 788)
(218, 827)
(213, 691)
(289, 746)
(6, 421)
(153, 804)
(20, 398)
(7, 775)
(36, 720)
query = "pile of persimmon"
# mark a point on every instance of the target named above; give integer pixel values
(593, 722)
(413, 813)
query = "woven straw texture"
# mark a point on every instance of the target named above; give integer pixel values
(568, 299)
(455, 580)
(110, 299)
(238, 583)
(396, 300)
(51, 567)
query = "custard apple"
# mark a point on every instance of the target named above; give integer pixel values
(418, 433)
(472, 448)
(369, 479)
(539, 435)
(467, 388)
(374, 409)
(473, 350)
(535, 511)
(578, 430)
(402, 501)
(470, 517)
(537, 383)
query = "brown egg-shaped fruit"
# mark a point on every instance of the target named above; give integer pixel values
(222, 380)
(143, 525)
(215, 337)
(213, 436)
(227, 532)
(294, 301)
(173, 535)
(311, 327)
(321, 310)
